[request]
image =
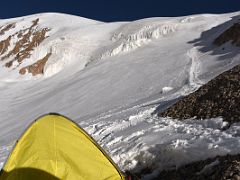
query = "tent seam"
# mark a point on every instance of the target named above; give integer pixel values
(55, 145)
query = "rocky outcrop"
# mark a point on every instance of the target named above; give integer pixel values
(219, 97)
(6, 28)
(4, 45)
(231, 34)
(218, 168)
(19, 46)
(37, 67)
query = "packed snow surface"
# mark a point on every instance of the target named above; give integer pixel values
(112, 77)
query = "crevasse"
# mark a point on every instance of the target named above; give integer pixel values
(124, 42)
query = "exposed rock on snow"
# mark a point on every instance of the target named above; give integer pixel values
(218, 168)
(6, 28)
(23, 42)
(37, 67)
(232, 34)
(219, 97)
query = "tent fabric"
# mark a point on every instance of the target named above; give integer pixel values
(54, 147)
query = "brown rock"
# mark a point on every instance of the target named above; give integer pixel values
(226, 168)
(219, 97)
(36, 68)
(232, 34)
(28, 39)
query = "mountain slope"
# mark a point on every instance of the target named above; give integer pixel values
(111, 77)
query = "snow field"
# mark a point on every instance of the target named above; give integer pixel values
(111, 78)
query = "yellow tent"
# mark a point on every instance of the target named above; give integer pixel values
(54, 148)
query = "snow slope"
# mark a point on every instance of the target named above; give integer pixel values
(111, 77)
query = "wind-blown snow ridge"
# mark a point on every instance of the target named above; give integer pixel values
(4, 151)
(164, 143)
(195, 69)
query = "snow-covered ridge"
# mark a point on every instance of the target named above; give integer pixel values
(27, 44)
(72, 40)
